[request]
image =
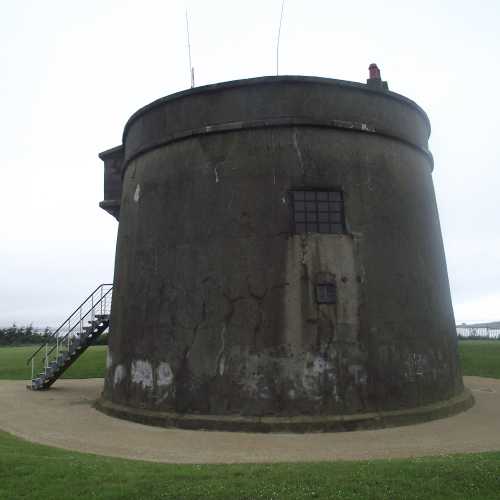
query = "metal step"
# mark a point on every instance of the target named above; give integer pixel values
(58, 361)
(36, 384)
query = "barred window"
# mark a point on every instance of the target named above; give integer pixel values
(326, 293)
(317, 211)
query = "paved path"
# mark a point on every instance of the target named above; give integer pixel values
(64, 417)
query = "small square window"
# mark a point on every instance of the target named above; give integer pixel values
(317, 211)
(326, 293)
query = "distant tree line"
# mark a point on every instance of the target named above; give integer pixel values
(22, 335)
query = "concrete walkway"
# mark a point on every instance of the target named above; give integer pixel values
(64, 417)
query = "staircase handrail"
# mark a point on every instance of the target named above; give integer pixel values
(83, 315)
(54, 334)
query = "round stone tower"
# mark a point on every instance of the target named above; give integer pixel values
(279, 261)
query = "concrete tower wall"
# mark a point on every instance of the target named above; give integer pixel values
(216, 308)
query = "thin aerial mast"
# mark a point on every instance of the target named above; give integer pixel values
(279, 33)
(191, 69)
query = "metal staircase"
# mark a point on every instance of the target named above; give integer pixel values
(65, 345)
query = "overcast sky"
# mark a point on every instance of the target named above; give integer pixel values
(72, 72)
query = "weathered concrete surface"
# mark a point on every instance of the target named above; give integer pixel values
(64, 417)
(302, 423)
(214, 308)
(113, 162)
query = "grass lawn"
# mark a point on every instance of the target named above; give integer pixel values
(91, 363)
(478, 357)
(481, 358)
(39, 472)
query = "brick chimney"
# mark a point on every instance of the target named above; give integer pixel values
(375, 80)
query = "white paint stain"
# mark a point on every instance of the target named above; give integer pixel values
(320, 365)
(164, 375)
(119, 374)
(216, 175)
(109, 359)
(137, 193)
(256, 387)
(264, 392)
(222, 363)
(315, 371)
(416, 365)
(142, 373)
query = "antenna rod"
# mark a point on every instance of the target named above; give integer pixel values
(278, 44)
(191, 69)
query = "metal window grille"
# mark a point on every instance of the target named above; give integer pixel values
(318, 211)
(326, 293)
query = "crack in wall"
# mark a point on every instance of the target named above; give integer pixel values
(220, 362)
(219, 367)
(329, 341)
(304, 251)
(297, 148)
(193, 339)
(280, 285)
(259, 300)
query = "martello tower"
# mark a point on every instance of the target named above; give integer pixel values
(279, 261)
